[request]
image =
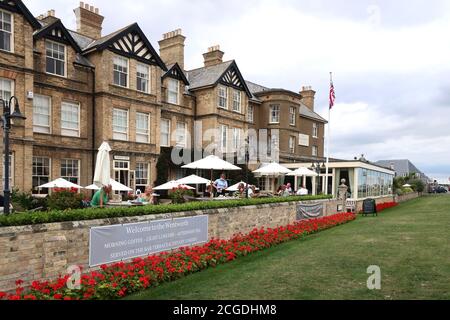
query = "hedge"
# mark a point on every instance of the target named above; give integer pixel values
(33, 218)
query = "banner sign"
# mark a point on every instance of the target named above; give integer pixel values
(306, 211)
(123, 242)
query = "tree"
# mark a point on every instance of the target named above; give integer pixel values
(417, 185)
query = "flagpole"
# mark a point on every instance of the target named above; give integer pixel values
(328, 142)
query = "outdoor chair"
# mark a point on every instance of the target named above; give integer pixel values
(350, 205)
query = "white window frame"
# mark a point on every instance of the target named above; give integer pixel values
(315, 151)
(292, 116)
(236, 138)
(222, 97)
(273, 108)
(181, 139)
(315, 130)
(53, 43)
(237, 101)
(11, 39)
(169, 122)
(40, 176)
(41, 126)
(141, 76)
(78, 177)
(172, 82)
(119, 68)
(117, 134)
(141, 132)
(251, 114)
(145, 166)
(224, 138)
(11, 83)
(292, 144)
(70, 132)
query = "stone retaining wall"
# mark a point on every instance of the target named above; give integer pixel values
(407, 197)
(45, 251)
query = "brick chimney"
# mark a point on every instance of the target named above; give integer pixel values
(89, 21)
(48, 17)
(214, 56)
(171, 48)
(308, 95)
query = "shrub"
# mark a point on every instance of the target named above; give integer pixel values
(177, 195)
(33, 218)
(23, 201)
(407, 190)
(64, 199)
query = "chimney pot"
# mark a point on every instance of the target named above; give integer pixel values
(214, 56)
(89, 20)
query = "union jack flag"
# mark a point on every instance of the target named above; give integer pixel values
(332, 95)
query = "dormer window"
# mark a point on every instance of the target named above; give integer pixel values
(121, 71)
(6, 31)
(55, 58)
(173, 91)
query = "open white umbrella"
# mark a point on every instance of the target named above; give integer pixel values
(302, 172)
(172, 185)
(60, 183)
(407, 186)
(102, 175)
(235, 187)
(272, 169)
(194, 179)
(212, 163)
(116, 186)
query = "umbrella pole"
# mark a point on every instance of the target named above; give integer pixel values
(212, 192)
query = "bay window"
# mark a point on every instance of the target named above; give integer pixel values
(223, 97)
(292, 115)
(274, 114)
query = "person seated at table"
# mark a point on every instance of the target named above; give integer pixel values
(281, 190)
(289, 188)
(101, 197)
(148, 195)
(221, 185)
(241, 190)
(208, 191)
(302, 191)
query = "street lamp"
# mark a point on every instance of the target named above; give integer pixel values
(317, 167)
(6, 125)
(247, 161)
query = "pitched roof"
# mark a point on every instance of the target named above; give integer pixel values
(308, 113)
(82, 40)
(57, 31)
(207, 76)
(129, 41)
(174, 71)
(19, 7)
(403, 166)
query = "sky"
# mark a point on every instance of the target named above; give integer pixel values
(390, 61)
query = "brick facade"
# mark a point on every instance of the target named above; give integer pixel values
(88, 82)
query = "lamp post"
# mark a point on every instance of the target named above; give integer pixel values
(6, 118)
(317, 167)
(247, 161)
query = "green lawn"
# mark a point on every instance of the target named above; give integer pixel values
(410, 243)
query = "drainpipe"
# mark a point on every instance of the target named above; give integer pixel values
(93, 122)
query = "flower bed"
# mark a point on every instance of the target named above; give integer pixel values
(383, 206)
(120, 279)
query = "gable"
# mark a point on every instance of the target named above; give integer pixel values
(132, 43)
(58, 33)
(232, 77)
(175, 72)
(17, 6)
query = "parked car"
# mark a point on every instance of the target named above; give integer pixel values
(440, 189)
